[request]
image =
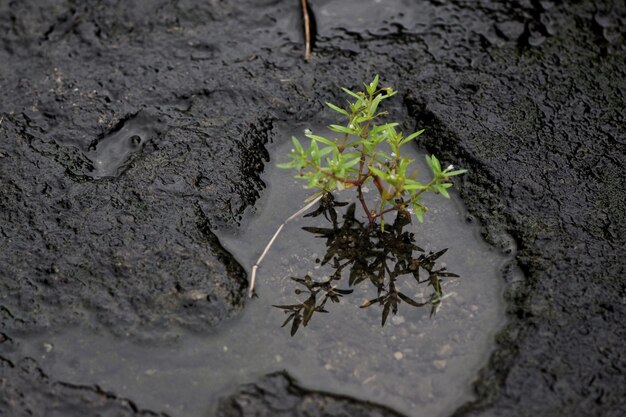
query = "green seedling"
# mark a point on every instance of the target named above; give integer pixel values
(367, 152)
(364, 152)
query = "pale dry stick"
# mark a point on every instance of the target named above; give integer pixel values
(271, 242)
(307, 30)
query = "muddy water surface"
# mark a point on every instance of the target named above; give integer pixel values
(415, 364)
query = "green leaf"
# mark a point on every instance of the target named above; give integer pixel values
(351, 162)
(325, 151)
(360, 103)
(403, 165)
(413, 185)
(325, 160)
(314, 180)
(376, 139)
(390, 92)
(321, 139)
(378, 172)
(442, 190)
(384, 157)
(411, 137)
(458, 172)
(375, 104)
(371, 87)
(338, 109)
(342, 129)
(351, 155)
(419, 213)
(296, 144)
(354, 108)
(313, 151)
(381, 128)
(434, 164)
(352, 93)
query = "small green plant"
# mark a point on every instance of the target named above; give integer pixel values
(365, 152)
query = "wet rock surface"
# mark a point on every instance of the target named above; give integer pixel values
(529, 95)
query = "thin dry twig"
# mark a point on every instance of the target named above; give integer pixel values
(255, 267)
(307, 30)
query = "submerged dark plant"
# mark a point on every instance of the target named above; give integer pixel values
(364, 254)
(302, 313)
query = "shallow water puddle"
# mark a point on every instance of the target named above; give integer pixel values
(416, 364)
(110, 155)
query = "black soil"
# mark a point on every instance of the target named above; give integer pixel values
(132, 130)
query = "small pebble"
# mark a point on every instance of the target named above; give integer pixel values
(278, 358)
(196, 295)
(398, 355)
(397, 320)
(440, 364)
(47, 347)
(445, 350)
(458, 299)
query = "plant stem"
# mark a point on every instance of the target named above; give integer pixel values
(370, 217)
(332, 175)
(307, 30)
(405, 203)
(256, 266)
(360, 182)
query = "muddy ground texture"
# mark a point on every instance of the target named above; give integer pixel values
(528, 95)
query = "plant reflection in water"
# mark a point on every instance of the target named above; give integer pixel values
(366, 254)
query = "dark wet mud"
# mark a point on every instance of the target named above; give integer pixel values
(135, 133)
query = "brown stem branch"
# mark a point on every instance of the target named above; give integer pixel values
(361, 163)
(356, 183)
(379, 186)
(404, 203)
(370, 218)
(389, 210)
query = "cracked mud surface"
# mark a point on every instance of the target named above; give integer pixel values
(529, 95)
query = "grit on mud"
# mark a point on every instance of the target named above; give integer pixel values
(135, 133)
